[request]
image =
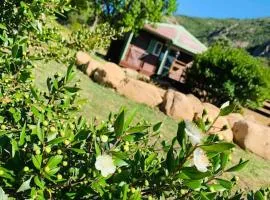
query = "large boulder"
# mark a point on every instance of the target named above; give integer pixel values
(92, 66)
(110, 75)
(221, 126)
(177, 105)
(82, 58)
(196, 104)
(141, 92)
(252, 136)
(234, 117)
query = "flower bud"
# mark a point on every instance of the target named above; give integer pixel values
(104, 138)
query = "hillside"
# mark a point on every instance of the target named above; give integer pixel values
(251, 34)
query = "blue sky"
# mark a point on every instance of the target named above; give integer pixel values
(224, 8)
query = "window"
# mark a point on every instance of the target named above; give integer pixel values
(157, 48)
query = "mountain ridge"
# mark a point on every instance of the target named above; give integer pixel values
(250, 34)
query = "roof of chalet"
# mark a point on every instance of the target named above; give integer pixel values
(179, 36)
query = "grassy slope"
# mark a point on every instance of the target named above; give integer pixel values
(103, 100)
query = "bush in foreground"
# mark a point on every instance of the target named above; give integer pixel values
(227, 73)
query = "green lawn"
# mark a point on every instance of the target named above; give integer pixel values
(102, 101)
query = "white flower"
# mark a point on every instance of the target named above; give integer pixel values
(200, 160)
(105, 164)
(195, 134)
(226, 104)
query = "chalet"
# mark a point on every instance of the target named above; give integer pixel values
(162, 49)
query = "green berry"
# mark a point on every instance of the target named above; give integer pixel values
(62, 133)
(59, 151)
(146, 183)
(59, 177)
(126, 148)
(48, 149)
(133, 190)
(65, 163)
(3, 127)
(66, 142)
(1, 172)
(47, 169)
(104, 138)
(26, 169)
(45, 123)
(53, 129)
(38, 152)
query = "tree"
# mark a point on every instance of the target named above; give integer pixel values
(127, 14)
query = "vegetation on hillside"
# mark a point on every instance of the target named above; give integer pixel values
(251, 34)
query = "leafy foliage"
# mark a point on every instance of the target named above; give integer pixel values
(227, 73)
(128, 15)
(47, 152)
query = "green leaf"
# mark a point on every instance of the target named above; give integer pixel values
(14, 147)
(181, 135)
(119, 124)
(259, 196)
(157, 126)
(227, 110)
(34, 93)
(170, 159)
(80, 151)
(194, 174)
(57, 141)
(3, 195)
(72, 89)
(70, 73)
(22, 135)
(54, 161)
(226, 184)
(193, 184)
(15, 50)
(39, 133)
(53, 171)
(3, 27)
(238, 167)
(37, 161)
(25, 185)
(216, 188)
(150, 159)
(130, 118)
(39, 183)
(137, 129)
(224, 159)
(218, 147)
(97, 149)
(119, 162)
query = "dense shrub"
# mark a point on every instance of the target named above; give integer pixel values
(227, 73)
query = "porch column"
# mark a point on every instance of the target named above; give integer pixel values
(160, 69)
(127, 43)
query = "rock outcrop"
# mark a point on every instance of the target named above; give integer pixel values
(252, 136)
(141, 92)
(110, 75)
(177, 105)
(82, 58)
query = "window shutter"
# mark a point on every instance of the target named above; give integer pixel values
(151, 46)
